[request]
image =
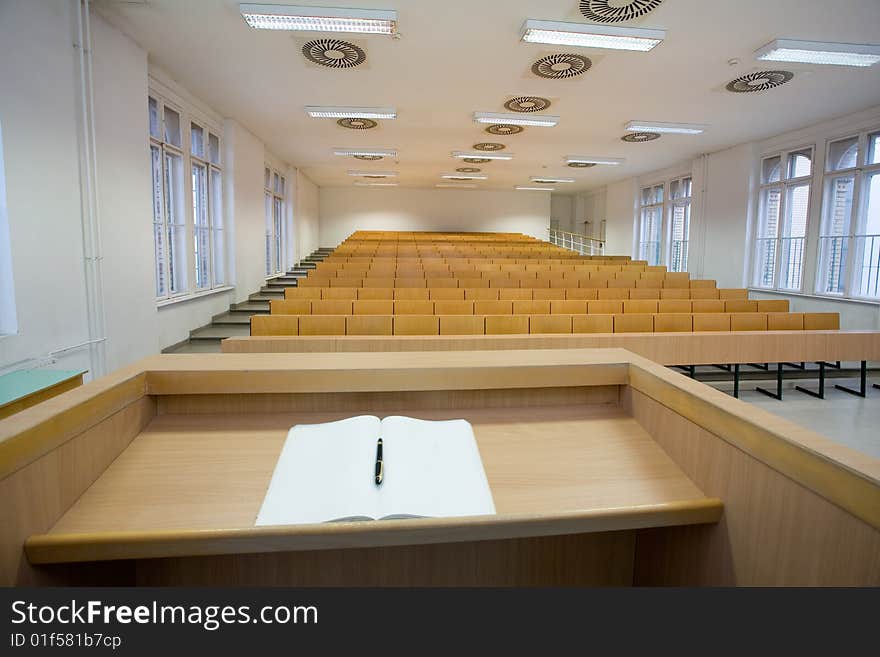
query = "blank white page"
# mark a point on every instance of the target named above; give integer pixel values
(325, 471)
(432, 468)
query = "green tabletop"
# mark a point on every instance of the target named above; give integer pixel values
(22, 383)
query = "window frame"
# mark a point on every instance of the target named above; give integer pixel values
(784, 185)
(673, 203)
(856, 222)
(654, 206)
(275, 220)
(186, 221)
(666, 209)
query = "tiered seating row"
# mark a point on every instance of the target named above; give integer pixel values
(487, 293)
(305, 325)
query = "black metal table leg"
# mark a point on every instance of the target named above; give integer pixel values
(802, 366)
(821, 393)
(764, 367)
(726, 368)
(778, 393)
(863, 382)
(736, 380)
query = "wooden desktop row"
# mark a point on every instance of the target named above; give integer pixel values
(413, 325)
(486, 293)
(342, 306)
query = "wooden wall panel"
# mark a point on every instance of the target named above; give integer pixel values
(774, 532)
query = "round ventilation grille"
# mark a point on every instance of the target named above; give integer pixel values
(488, 146)
(334, 53)
(357, 124)
(468, 170)
(581, 165)
(504, 129)
(527, 104)
(372, 175)
(367, 157)
(475, 160)
(604, 11)
(639, 137)
(561, 65)
(759, 81)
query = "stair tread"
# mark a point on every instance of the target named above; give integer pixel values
(220, 332)
(249, 307)
(198, 347)
(231, 318)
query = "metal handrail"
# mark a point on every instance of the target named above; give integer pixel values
(583, 244)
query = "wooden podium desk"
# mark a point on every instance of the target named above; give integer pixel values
(605, 469)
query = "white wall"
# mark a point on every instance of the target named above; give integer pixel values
(562, 210)
(345, 209)
(41, 153)
(307, 217)
(38, 113)
(620, 199)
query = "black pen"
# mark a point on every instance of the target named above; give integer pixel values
(380, 464)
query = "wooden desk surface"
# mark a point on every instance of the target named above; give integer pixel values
(187, 474)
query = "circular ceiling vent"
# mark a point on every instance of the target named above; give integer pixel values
(527, 104)
(460, 178)
(639, 137)
(581, 165)
(334, 53)
(373, 175)
(561, 65)
(488, 146)
(367, 157)
(504, 129)
(759, 81)
(476, 160)
(357, 124)
(608, 11)
(468, 170)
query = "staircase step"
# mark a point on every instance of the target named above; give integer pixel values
(250, 307)
(273, 292)
(230, 319)
(283, 282)
(220, 332)
(197, 347)
(259, 296)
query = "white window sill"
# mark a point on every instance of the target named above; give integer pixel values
(818, 297)
(191, 297)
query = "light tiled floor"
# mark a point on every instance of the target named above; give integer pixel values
(845, 418)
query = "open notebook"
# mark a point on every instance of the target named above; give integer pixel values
(326, 472)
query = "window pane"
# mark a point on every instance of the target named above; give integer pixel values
(686, 187)
(646, 196)
(832, 260)
(838, 205)
(834, 240)
(267, 178)
(155, 130)
(768, 225)
(172, 126)
(771, 169)
(843, 154)
(867, 243)
(658, 194)
(649, 238)
(874, 148)
(269, 225)
(792, 243)
(279, 219)
(200, 219)
(673, 190)
(214, 148)
(769, 219)
(680, 226)
(177, 258)
(800, 163)
(159, 239)
(277, 185)
(158, 219)
(197, 140)
(216, 207)
(281, 189)
(175, 217)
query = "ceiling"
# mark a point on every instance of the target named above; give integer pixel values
(460, 56)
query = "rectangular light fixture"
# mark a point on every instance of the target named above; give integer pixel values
(351, 112)
(523, 188)
(592, 159)
(464, 176)
(482, 154)
(456, 185)
(588, 35)
(539, 179)
(319, 19)
(817, 52)
(373, 174)
(358, 183)
(365, 152)
(669, 128)
(540, 120)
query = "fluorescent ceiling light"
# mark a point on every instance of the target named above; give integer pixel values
(374, 174)
(358, 183)
(367, 152)
(319, 19)
(456, 185)
(588, 35)
(523, 188)
(464, 176)
(817, 52)
(481, 154)
(670, 128)
(351, 112)
(540, 120)
(591, 159)
(539, 179)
